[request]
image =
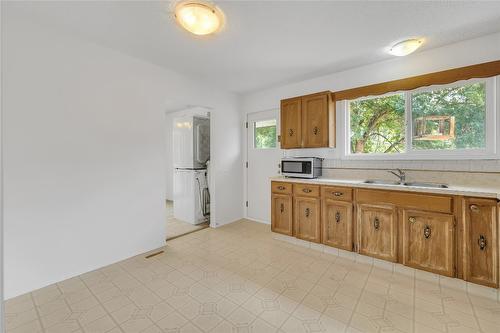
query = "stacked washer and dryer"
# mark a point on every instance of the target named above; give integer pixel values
(191, 148)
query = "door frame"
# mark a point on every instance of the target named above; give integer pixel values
(261, 115)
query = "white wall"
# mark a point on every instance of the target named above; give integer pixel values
(84, 154)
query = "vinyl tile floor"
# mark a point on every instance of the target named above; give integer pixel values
(176, 227)
(239, 278)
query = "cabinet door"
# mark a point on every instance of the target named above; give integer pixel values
(291, 136)
(315, 110)
(377, 231)
(481, 241)
(337, 224)
(307, 219)
(428, 241)
(281, 214)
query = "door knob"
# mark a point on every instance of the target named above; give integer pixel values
(474, 208)
(282, 208)
(412, 219)
(376, 223)
(290, 132)
(307, 212)
(315, 130)
(337, 217)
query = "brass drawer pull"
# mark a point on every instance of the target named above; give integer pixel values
(338, 194)
(427, 232)
(337, 217)
(306, 190)
(282, 208)
(482, 242)
(315, 130)
(412, 219)
(281, 187)
(376, 223)
(307, 212)
(474, 208)
(290, 132)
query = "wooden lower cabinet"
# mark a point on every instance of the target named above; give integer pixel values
(377, 231)
(307, 218)
(428, 241)
(281, 214)
(481, 238)
(337, 224)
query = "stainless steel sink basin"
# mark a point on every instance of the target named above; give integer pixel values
(381, 182)
(432, 185)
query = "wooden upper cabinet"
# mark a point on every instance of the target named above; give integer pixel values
(281, 214)
(308, 121)
(307, 219)
(291, 120)
(377, 231)
(481, 241)
(428, 241)
(315, 120)
(337, 224)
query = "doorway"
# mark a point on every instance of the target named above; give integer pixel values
(263, 158)
(188, 171)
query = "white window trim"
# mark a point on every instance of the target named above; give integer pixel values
(491, 151)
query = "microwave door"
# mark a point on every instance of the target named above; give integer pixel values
(297, 167)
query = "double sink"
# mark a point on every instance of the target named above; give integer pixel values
(415, 184)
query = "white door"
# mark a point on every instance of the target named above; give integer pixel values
(263, 156)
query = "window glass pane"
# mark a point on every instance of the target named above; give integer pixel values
(450, 118)
(378, 124)
(265, 134)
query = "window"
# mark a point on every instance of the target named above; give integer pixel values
(449, 120)
(265, 134)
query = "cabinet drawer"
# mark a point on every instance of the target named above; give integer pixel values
(306, 190)
(336, 193)
(281, 187)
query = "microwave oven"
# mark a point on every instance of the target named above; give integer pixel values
(301, 167)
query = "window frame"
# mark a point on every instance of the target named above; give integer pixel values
(492, 127)
(253, 128)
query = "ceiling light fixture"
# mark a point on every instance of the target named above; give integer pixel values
(199, 17)
(405, 47)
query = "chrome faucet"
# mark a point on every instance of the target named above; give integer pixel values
(400, 174)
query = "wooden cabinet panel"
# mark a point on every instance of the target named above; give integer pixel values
(337, 224)
(306, 190)
(336, 193)
(307, 219)
(281, 214)
(291, 120)
(481, 241)
(315, 120)
(377, 231)
(428, 241)
(281, 187)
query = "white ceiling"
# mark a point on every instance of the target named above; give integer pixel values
(267, 43)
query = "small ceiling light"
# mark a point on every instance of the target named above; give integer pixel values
(405, 47)
(199, 17)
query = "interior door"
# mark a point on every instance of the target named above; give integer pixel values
(263, 157)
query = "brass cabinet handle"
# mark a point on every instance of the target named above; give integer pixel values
(282, 208)
(412, 219)
(337, 217)
(376, 223)
(307, 212)
(315, 130)
(306, 190)
(281, 187)
(474, 208)
(427, 231)
(338, 194)
(482, 242)
(290, 132)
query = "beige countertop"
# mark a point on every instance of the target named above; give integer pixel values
(451, 190)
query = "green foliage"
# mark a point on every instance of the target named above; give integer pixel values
(265, 137)
(466, 103)
(378, 124)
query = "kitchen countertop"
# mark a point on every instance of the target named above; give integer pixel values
(451, 190)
